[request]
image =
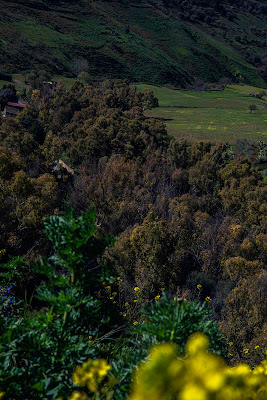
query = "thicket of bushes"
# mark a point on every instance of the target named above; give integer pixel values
(189, 220)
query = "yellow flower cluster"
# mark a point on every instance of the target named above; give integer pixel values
(91, 373)
(200, 376)
(78, 396)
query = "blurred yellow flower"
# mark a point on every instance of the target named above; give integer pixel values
(208, 298)
(246, 351)
(199, 376)
(157, 297)
(195, 392)
(136, 289)
(90, 374)
(135, 323)
(199, 286)
(197, 343)
(257, 347)
(78, 396)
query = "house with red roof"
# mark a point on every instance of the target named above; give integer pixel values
(13, 109)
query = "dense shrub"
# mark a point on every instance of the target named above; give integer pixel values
(39, 349)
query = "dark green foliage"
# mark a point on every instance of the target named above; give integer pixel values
(7, 93)
(29, 120)
(39, 350)
(168, 320)
(14, 273)
(164, 320)
(5, 76)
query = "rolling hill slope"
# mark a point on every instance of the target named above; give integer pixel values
(154, 41)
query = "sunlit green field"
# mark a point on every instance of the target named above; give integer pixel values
(215, 115)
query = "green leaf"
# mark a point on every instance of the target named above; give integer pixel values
(39, 386)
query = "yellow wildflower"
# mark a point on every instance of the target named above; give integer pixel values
(135, 323)
(126, 304)
(197, 343)
(246, 351)
(108, 287)
(195, 392)
(157, 297)
(199, 286)
(91, 373)
(230, 343)
(78, 396)
(136, 289)
(90, 337)
(135, 301)
(257, 347)
(208, 298)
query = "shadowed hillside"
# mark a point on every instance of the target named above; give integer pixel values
(168, 41)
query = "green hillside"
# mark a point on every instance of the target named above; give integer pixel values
(152, 41)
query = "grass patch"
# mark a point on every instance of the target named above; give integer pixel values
(68, 82)
(2, 83)
(212, 116)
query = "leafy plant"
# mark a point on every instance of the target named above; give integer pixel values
(167, 320)
(163, 321)
(39, 351)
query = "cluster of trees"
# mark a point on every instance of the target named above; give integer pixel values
(203, 10)
(189, 219)
(7, 93)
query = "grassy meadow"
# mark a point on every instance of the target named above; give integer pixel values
(211, 115)
(205, 115)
